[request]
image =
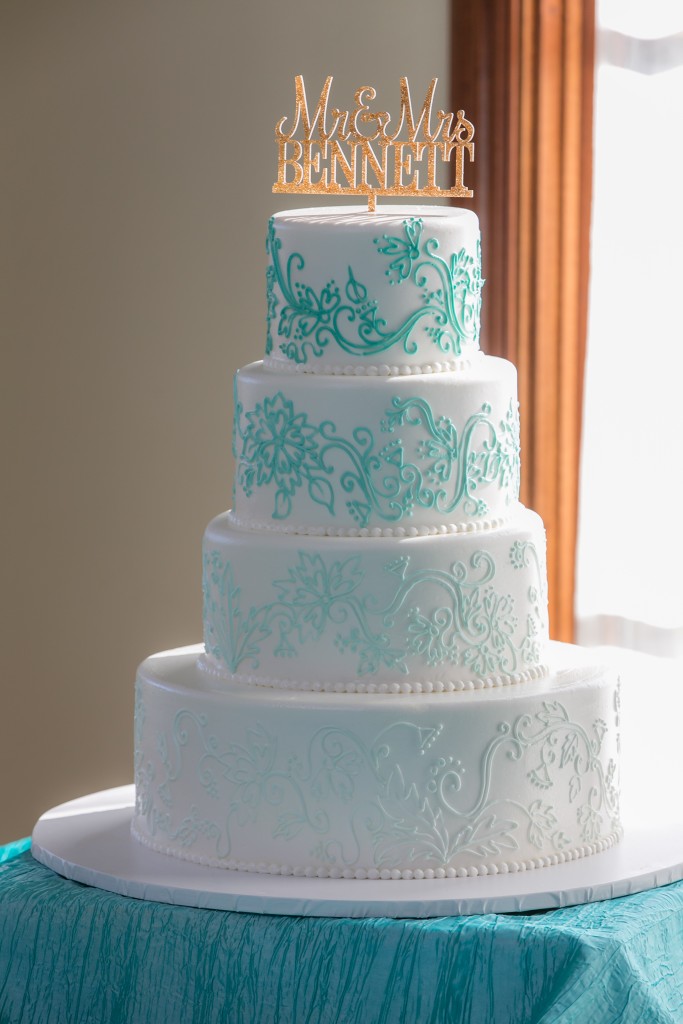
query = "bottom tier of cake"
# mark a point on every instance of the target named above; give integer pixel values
(376, 786)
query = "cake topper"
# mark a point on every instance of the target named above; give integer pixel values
(358, 152)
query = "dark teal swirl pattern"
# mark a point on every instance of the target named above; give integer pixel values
(277, 446)
(447, 301)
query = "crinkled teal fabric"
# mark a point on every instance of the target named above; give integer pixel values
(70, 954)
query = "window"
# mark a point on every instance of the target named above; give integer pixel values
(630, 551)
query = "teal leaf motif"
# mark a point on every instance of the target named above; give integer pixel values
(488, 836)
(570, 748)
(232, 636)
(321, 492)
(560, 840)
(542, 820)
(590, 820)
(283, 505)
(312, 581)
(574, 788)
(355, 292)
(289, 825)
(345, 576)
(552, 711)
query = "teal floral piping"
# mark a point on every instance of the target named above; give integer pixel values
(277, 446)
(448, 301)
(431, 823)
(476, 629)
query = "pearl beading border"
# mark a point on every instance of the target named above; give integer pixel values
(387, 874)
(473, 526)
(374, 369)
(207, 663)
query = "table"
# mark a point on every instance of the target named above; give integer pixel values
(70, 954)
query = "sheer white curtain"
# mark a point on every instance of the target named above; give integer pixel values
(630, 551)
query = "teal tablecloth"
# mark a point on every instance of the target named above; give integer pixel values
(70, 955)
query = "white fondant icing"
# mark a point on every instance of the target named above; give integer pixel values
(347, 786)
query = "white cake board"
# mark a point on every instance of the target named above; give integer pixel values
(89, 840)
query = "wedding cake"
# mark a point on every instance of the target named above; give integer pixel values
(377, 696)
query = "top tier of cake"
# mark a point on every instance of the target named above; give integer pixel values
(393, 292)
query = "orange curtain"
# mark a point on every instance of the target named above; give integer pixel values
(523, 72)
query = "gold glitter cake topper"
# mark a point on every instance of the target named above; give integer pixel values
(356, 152)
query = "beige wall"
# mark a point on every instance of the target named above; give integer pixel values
(133, 207)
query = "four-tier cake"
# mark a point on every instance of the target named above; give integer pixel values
(376, 696)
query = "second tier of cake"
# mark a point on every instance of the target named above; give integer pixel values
(417, 454)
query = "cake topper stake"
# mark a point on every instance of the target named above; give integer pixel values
(358, 152)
